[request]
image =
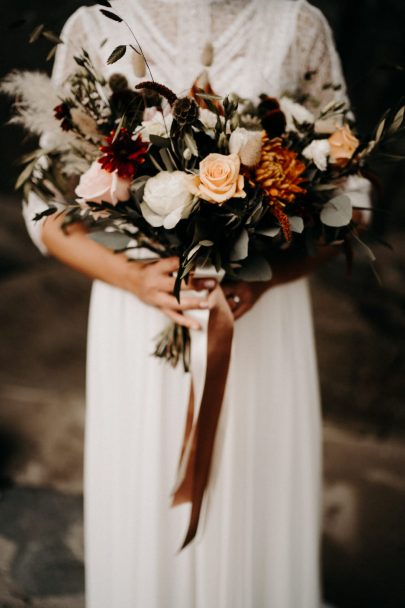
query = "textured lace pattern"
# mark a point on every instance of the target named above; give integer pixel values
(259, 45)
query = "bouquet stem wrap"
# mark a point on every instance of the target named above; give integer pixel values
(210, 357)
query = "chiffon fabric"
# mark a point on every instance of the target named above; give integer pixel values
(258, 542)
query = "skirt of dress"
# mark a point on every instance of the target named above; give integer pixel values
(257, 545)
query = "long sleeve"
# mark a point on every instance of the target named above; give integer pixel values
(74, 38)
(317, 70)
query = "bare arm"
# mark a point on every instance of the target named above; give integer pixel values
(152, 283)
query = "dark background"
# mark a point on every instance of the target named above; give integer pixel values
(360, 328)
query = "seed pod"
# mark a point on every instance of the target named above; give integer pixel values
(207, 56)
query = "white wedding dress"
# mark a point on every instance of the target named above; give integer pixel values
(257, 546)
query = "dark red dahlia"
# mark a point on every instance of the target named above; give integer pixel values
(62, 113)
(123, 154)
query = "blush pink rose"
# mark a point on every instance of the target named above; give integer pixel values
(98, 185)
(219, 179)
(342, 145)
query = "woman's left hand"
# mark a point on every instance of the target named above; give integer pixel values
(241, 295)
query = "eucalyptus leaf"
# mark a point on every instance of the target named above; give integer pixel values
(255, 268)
(296, 223)
(240, 248)
(337, 212)
(271, 232)
(112, 240)
(161, 142)
(117, 53)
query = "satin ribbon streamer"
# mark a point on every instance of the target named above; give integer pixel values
(210, 357)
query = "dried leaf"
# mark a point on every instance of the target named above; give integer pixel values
(52, 53)
(380, 130)
(117, 53)
(36, 33)
(51, 36)
(398, 120)
(111, 15)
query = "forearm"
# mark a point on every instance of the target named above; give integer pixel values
(77, 250)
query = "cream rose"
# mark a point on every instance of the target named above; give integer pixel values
(98, 185)
(219, 179)
(158, 125)
(342, 145)
(167, 199)
(247, 144)
(318, 151)
(294, 111)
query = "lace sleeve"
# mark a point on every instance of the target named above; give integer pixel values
(74, 35)
(316, 69)
(314, 62)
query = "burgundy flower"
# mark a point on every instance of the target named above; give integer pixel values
(123, 154)
(62, 113)
(272, 118)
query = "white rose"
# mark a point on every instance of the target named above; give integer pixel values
(98, 185)
(293, 110)
(167, 199)
(318, 151)
(209, 120)
(158, 125)
(247, 144)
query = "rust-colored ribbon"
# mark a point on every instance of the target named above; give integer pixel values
(199, 436)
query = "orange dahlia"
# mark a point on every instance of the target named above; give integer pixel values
(279, 172)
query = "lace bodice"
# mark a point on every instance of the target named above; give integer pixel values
(259, 46)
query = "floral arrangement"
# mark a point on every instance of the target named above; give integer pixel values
(215, 181)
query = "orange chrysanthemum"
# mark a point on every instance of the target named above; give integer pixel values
(279, 172)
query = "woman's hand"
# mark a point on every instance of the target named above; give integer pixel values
(153, 283)
(242, 295)
(287, 267)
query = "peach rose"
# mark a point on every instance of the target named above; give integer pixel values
(342, 145)
(219, 179)
(98, 185)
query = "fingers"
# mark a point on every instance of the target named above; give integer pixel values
(168, 265)
(169, 301)
(180, 319)
(200, 284)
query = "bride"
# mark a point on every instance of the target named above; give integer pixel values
(258, 541)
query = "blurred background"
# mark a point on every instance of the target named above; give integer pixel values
(360, 332)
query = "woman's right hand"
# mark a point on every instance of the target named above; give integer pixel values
(153, 283)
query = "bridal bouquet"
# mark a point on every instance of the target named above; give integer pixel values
(220, 182)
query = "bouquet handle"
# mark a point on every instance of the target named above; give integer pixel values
(210, 358)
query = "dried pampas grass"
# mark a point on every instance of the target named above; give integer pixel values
(35, 97)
